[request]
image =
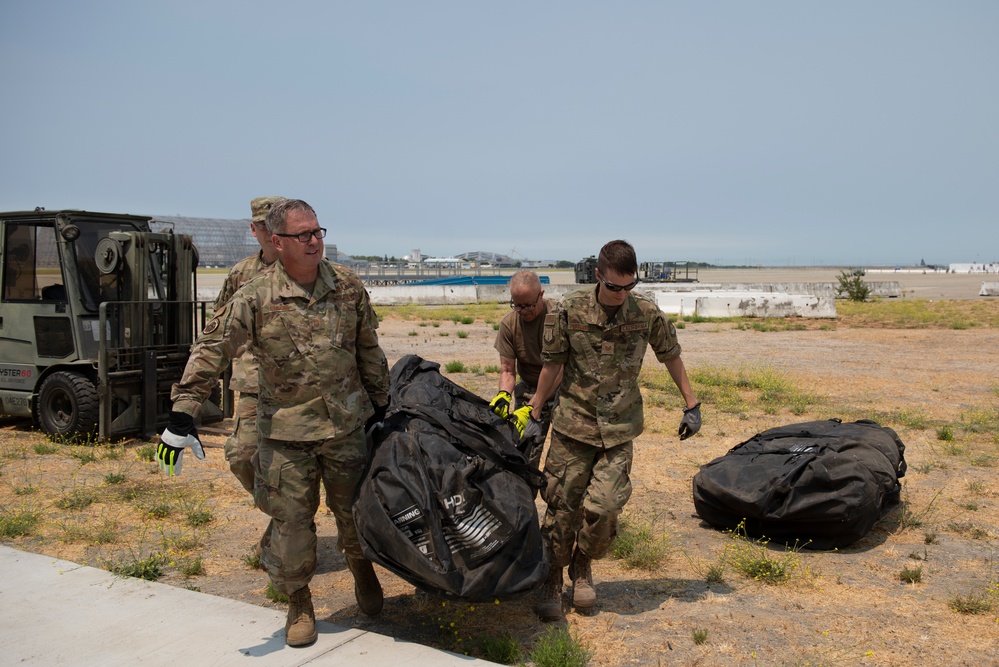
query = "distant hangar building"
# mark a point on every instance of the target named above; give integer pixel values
(221, 242)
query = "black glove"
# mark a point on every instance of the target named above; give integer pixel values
(178, 435)
(691, 422)
(376, 418)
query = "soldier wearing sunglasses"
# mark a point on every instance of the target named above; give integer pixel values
(597, 336)
(518, 342)
(323, 380)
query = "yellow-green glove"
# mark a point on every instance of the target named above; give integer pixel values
(501, 404)
(521, 417)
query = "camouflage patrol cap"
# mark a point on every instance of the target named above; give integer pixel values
(260, 206)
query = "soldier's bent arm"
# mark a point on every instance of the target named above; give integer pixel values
(371, 362)
(508, 374)
(551, 375)
(222, 338)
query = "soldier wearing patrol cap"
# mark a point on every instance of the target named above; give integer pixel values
(242, 444)
(597, 336)
(323, 380)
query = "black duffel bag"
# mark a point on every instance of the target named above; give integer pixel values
(447, 502)
(821, 484)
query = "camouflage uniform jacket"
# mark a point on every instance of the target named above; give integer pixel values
(600, 402)
(244, 366)
(321, 367)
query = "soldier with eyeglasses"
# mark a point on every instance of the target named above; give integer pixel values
(518, 342)
(323, 379)
(597, 336)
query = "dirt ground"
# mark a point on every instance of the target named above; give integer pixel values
(846, 607)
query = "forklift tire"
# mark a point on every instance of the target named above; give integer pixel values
(68, 404)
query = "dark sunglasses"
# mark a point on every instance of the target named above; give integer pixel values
(617, 288)
(305, 237)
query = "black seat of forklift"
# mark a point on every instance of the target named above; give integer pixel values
(55, 292)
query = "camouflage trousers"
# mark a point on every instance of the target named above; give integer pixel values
(242, 444)
(523, 393)
(585, 488)
(288, 480)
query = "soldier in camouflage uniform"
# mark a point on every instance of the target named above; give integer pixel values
(518, 342)
(598, 337)
(242, 444)
(322, 378)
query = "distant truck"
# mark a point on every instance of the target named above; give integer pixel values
(585, 271)
(97, 319)
(667, 272)
(653, 272)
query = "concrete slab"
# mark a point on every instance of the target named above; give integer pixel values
(744, 303)
(989, 289)
(54, 612)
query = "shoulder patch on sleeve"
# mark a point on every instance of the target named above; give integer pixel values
(212, 325)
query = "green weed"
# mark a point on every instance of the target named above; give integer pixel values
(503, 649)
(18, 522)
(972, 603)
(43, 448)
(146, 453)
(754, 560)
(556, 647)
(149, 568)
(911, 575)
(639, 545)
(455, 367)
(274, 595)
(192, 567)
(945, 433)
(462, 334)
(699, 636)
(77, 499)
(114, 478)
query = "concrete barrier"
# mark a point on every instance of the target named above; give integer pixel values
(989, 289)
(884, 289)
(743, 303)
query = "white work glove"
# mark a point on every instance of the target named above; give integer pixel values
(178, 436)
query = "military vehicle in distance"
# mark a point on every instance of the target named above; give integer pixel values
(585, 271)
(652, 272)
(667, 272)
(97, 319)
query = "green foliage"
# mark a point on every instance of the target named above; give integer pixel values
(503, 649)
(556, 647)
(252, 560)
(699, 636)
(114, 478)
(455, 367)
(945, 433)
(639, 545)
(84, 456)
(911, 575)
(149, 568)
(492, 369)
(756, 561)
(274, 595)
(971, 603)
(852, 286)
(192, 567)
(462, 334)
(715, 575)
(43, 448)
(146, 453)
(467, 320)
(199, 517)
(18, 522)
(77, 499)
(414, 333)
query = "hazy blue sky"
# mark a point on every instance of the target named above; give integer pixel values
(848, 132)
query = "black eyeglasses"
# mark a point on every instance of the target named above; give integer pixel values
(521, 307)
(305, 237)
(617, 288)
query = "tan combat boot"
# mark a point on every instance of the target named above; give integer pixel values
(300, 629)
(367, 590)
(549, 608)
(584, 597)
